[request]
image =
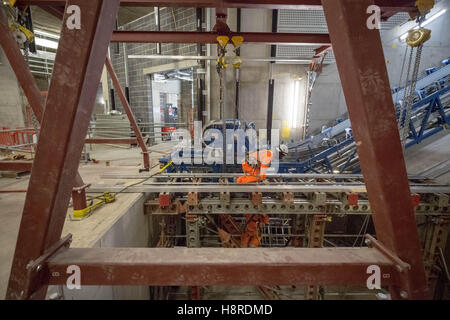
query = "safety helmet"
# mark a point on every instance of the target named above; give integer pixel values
(283, 149)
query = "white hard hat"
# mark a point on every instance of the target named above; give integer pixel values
(283, 148)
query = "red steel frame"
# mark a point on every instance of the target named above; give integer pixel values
(40, 258)
(31, 90)
(129, 113)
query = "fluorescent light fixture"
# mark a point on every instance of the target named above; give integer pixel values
(427, 21)
(437, 15)
(46, 43)
(46, 34)
(295, 104)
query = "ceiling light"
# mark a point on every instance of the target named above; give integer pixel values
(46, 43)
(427, 21)
(46, 34)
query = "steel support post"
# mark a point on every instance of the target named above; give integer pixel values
(362, 69)
(74, 84)
(26, 80)
(129, 112)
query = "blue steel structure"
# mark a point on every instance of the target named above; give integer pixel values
(334, 150)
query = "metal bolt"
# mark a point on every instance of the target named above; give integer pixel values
(39, 268)
(404, 294)
(399, 268)
(368, 242)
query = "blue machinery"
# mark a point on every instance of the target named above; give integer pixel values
(334, 151)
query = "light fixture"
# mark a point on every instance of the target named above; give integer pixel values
(295, 103)
(46, 34)
(427, 21)
(46, 43)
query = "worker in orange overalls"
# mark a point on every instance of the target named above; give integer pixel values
(256, 171)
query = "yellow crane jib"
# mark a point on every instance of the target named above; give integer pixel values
(83, 213)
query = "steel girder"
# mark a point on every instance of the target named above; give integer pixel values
(76, 75)
(362, 69)
(129, 113)
(219, 266)
(211, 37)
(386, 5)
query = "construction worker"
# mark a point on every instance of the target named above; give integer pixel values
(260, 163)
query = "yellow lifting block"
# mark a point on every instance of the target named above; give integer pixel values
(18, 28)
(221, 62)
(223, 41)
(424, 5)
(83, 213)
(237, 41)
(12, 3)
(236, 62)
(418, 37)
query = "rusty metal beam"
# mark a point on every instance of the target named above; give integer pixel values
(392, 5)
(210, 37)
(16, 165)
(219, 266)
(23, 74)
(362, 69)
(111, 141)
(129, 112)
(75, 80)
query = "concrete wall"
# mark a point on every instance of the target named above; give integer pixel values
(140, 83)
(131, 230)
(254, 79)
(328, 101)
(11, 100)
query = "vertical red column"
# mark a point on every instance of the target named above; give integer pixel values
(76, 75)
(362, 69)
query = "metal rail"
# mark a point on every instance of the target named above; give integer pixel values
(184, 188)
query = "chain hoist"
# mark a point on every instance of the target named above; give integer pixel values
(415, 41)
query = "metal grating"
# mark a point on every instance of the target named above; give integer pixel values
(302, 52)
(313, 21)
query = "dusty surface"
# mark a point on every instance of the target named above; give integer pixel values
(86, 232)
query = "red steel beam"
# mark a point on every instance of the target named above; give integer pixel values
(16, 165)
(129, 112)
(362, 69)
(74, 84)
(219, 266)
(111, 141)
(210, 37)
(392, 5)
(23, 74)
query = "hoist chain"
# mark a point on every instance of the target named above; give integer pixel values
(409, 94)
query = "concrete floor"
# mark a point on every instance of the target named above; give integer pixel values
(88, 231)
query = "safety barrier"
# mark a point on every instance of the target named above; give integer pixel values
(20, 138)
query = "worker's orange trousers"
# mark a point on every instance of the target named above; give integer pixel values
(251, 237)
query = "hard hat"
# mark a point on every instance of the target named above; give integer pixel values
(283, 148)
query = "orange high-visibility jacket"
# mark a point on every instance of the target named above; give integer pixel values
(263, 159)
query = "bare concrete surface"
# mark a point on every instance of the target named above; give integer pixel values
(107, 226)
